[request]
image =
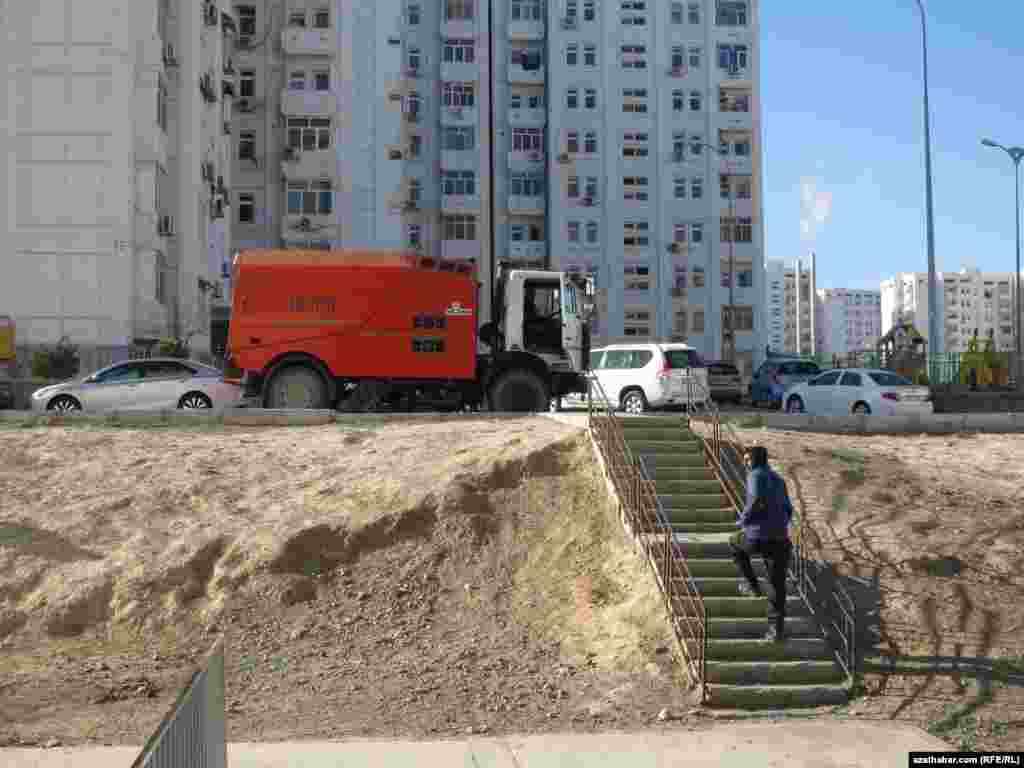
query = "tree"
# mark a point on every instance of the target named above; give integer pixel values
(59, 362)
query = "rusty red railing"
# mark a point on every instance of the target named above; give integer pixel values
(646, 520)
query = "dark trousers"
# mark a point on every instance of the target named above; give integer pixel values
(776, 554)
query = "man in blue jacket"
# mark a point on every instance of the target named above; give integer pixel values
(764, 530)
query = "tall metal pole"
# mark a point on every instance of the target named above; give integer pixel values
(732, 273)
(493, 137)
(933, 317)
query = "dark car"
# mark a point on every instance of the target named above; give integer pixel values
(6, 395)
(725, 382)
(786, 373)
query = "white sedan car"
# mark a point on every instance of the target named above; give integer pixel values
(141, 385)
(857, 391)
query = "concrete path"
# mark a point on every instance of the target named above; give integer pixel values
(805, 744)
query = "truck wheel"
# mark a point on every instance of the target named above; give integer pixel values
(519, 392)
(297, 386)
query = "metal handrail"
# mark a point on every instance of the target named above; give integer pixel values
(647, 520)
(724, 450)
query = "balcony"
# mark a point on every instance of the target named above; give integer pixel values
(308, 227)
(526, 161)
(527, 118)
(526, 250)
(735, 78)
(314, 164)
(743, 207)
(526, 29)
(458, 115)
(519, 74)
(460, 29)
(460, 203)
(314, 103)
(299, 41)
(529, 205)
(460, 72)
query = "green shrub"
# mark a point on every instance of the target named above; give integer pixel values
(173, 348)
(59, 362)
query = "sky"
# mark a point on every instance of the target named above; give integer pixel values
(844, 138)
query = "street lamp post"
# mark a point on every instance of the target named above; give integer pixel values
(729, 352)
(933, 317)
(1015, 153)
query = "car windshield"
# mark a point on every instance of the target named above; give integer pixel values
(883, 379)
(682, 358)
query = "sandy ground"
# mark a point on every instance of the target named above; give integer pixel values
(927, 532)
(444, 594)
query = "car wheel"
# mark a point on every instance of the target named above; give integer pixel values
(634, 403)
(555, 405)
(861, 409)
(64, 404)
(794, 405)
(195, 401)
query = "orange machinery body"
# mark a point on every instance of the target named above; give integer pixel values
(364, 314)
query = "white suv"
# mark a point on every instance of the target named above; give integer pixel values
(638, 377)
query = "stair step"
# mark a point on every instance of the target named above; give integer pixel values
(750, 607)
(681, 422)
(775, 696)
(680, 473)
(691, 527)
(694, 500)
(747, 649)
(722, 627)
(774, 672)
(704, 545)
(657, 461)
(723, 514)
(660, 434)
(726, 586)
(662, 447)
(721, 567)
(680, 485)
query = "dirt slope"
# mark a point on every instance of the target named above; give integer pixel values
(400, 581)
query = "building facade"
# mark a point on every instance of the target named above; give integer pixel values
(847, 321)
(789, 313)
(114, 148)
(625, 144)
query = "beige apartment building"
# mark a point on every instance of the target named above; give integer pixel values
(115, 148)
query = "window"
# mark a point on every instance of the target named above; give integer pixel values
(590, 187)
(415, 145)
(695, 56)
(573, 231)
(635, 234)
(698, 316)
(312, 198)
(322, 80)
(247, 83)
(458, 95)
(246, 208)
(414, 234)
(297, 19)
(527, 139)
(825, 380)
(679, 233)
(297, 80)
(743, 227)
(889, 379)
(526, 184)
(732, 58)
(246, 20)
(676, 13)
(458, 52)
(744, 188)
(571, 9)
(590, 55)
(696, 145)
(743, 318)
(634, 13)
(633, 56)
(458, 139)
(635, 188)
(526, 10)
(572, 55)
(637, 277)
(592, 232)
(590, 98)
(634, 144)
(572, 142)
(696, 233)
(693, 13)
(413, 14)
(679, 188)
(697, 187)
(590, 143)
(413, 59)
(634, 100)
(458, 183)
(678, 101)
(572, 187)
(589, 10)
(459, 227)
(321, 18)
(696, 101)
(731, 13)
(458, 10)
(161, 103)
(308, 134)
(247, 145)
(678, 146)
(572, 99)
(415, 190)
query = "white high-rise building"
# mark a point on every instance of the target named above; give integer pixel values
(114, 148)
(789, 313)
(369, 124)
(847, 321)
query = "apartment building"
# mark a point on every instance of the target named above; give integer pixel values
(789, 313)
(114, 149)
(847, 320)
(624, 145)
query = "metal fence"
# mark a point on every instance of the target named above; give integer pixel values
(193, 734)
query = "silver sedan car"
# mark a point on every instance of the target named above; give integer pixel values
(141, 385)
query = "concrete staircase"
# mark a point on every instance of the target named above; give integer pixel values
(743, 670)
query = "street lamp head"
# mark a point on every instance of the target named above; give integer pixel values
(989, 143)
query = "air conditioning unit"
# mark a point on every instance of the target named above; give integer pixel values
(212, 15)
(676, 72)
(412, 71)
(165, 226)
(394, 96)
(412, 117)
(535, 156)
(588, 201)
(411, 205)
(394, 154)
(569, 22)
(678, 293)
(675, 247)
(564, 158)
(243, 105)
(170, 59)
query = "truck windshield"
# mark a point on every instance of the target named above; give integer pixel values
(569, 299)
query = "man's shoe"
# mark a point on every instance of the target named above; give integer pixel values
(747, 591)
(774, 636)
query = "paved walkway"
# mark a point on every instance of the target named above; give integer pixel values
(804, 744)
